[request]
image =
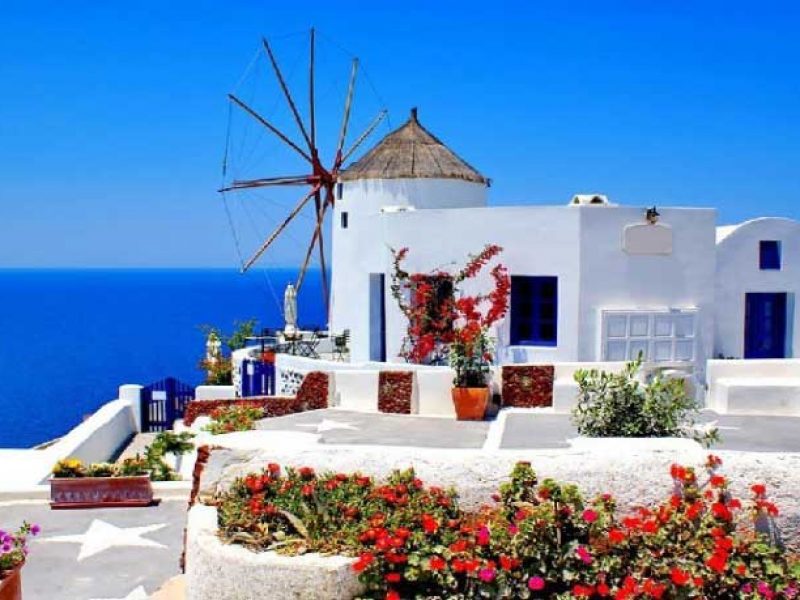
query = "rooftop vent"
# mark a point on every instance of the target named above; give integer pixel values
(590, 200)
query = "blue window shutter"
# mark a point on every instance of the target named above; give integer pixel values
(769, 255)
(534, 311)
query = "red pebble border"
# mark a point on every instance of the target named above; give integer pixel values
(395, 389)
(528, 386)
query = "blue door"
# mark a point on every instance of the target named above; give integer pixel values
(765, 325)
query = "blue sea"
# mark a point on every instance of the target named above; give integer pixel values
(69, 338)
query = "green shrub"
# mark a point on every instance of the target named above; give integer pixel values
(167, 442)
(618, 405)
(234, 418)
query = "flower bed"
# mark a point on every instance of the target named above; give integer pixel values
(395, 390)
(312, 395)
(541, 539)
(528, 386)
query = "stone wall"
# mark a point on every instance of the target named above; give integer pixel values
(528, 386)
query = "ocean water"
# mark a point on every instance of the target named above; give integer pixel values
(69, 338)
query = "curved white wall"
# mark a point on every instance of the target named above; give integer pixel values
(738, 272)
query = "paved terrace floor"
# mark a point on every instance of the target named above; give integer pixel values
(515, 430)
(127, 554)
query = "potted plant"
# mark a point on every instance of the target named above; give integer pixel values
(470, 358)
(13, 550)
(443, 321)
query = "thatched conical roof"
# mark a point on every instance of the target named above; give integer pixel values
(411, 152)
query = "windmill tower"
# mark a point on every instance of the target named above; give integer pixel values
(409, 169)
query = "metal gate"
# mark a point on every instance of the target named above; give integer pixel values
(163, 402)
(258, 378)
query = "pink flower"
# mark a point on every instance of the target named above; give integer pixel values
(513, 529)
(589, 515)
(483, 536)
(536, 583)
(584, 555)
(486, 575)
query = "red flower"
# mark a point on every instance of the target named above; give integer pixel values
(759, 489)
(717, 481)
(616, 536)
(429, 524)
(393, 577)
(306, 472)
(679, 577)
(717, 562)
(365, 560)
(721, 511)
(589, 516)
(507, 563)
(436, 563)
(392, 595)
(582, 591)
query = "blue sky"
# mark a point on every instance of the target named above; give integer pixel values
(113, 115)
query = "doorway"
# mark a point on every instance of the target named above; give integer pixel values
(765, 325)
(377, 317)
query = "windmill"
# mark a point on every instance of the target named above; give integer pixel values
(320, 180)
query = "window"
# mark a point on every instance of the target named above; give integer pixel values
(659, 335)
(534, 311)
(769, 255)
(339, 191)
(344, 219)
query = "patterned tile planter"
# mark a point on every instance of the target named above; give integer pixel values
(395, 390)
(101, 492)
(217, 571)
(11, 584)
(528, 386)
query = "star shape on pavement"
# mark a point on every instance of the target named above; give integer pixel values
(101, 536)
(137, 594)
(328, 425)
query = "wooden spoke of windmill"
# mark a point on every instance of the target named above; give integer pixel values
(321, 180)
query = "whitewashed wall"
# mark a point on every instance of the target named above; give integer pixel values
(612, 278)
(363, 248)
(738, 273)
(537, 240)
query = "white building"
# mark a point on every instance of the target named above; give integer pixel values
(591, 281)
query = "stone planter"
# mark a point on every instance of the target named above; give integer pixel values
(101, 492)
(11, 584)
(218, 571)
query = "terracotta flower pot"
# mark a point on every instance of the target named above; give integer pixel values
(470, 403)
(91, 492)
(11, 584)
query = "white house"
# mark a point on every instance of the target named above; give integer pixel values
(591, 281)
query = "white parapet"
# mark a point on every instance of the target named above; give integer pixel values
(433, 392)
(218, 571)
(765, 387)
(214, 392)
(356, 390)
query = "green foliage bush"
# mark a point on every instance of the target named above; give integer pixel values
(619, 405)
